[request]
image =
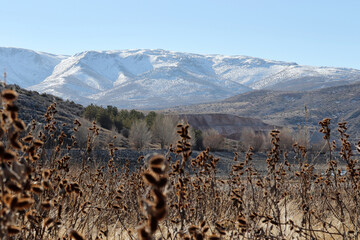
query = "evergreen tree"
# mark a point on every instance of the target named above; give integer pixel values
(90, 112)
(103, 118)
(118, 123)
(150, 118)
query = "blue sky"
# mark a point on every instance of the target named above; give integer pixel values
(320, 33)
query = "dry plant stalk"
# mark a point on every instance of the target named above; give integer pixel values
(154, 209)
(48, 193)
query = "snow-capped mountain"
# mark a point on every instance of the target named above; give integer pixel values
(26, 67)
(138, 79)
(150, 79)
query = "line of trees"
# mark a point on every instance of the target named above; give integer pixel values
(113, 119)
(141, 130)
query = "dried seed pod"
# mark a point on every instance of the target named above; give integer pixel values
(199, 236)
(46, 174)
(48, 221)
(13, 186)
(12, 107)
(38, 143)
(13, 230)
(192, 229)
(159, 169)
(150, 178)
(46, 205)
(2, 131)
(75, 235)
(24, 203)
(160, 199)
(13, 202)
(187, 237)
(160, 214)
(46, 184)
(214, 237)
(143, 234)
(153, 223)
(77, 122)
(242, 222)
(162, 182)
(9, 155)
(14, 141)
(116, 206)
(157, 160)
(7, 199)
(9, 95)
(19, 124)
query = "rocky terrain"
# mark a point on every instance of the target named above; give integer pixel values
(33, 105)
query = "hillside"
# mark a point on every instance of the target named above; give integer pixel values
(33, 105)
(341, 103)
(154, 79)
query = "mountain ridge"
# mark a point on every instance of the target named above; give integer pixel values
(157, 78)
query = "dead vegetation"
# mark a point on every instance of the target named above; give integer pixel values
(49, 195)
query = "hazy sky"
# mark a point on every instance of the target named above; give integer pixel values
(316, 32)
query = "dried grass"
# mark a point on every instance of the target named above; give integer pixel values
(49, 195)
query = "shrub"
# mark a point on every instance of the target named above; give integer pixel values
(250, 138)
(139, 135)
(103, 118)
(90, 112)
(212, 139)
(164, 130)
(81, 135)
(118, 124)
(150, 118)
(302, 137)
(110, 116)
(125, 132)
(196, 139)
(286, 138)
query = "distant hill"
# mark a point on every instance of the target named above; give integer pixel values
(155, 79)
(33, 105)
(287, 108)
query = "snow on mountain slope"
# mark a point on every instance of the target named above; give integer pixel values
(138, 79)
(167, 88)
(149, 79)
(315, 74)
(247, 70)
(26, 67)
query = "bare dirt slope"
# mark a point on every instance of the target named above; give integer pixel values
(287, 108)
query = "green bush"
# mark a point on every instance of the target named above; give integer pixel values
(111, 118)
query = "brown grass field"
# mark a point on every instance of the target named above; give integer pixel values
(49, 195)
